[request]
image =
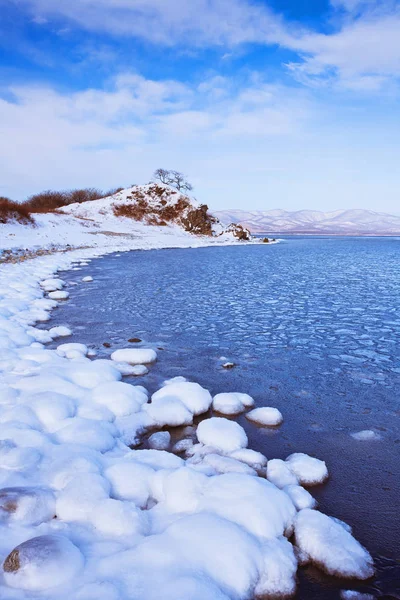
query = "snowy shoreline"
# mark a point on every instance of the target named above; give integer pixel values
(211, 520)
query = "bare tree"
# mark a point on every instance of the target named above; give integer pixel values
(179, 181)
(162, 175)
(174, 178)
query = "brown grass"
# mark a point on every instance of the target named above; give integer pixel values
(159, 213)
(13, 211)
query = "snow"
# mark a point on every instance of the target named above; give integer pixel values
(130, 481)
(300, 497)
(279, 474)
(168, 411)
(231, 403)
(196, 399)
(330, 546)
(26, 505)
(222, 434)
(60, 331)
(131, 522)
(265, 416)
(134, 356)
(44, 562)
(307, 469)
(59, 295)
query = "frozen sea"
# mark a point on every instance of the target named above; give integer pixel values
(313, 327)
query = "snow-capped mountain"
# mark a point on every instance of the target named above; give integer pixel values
(345, 222)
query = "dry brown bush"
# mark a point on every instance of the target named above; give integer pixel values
(13, 211)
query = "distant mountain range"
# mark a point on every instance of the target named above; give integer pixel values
(344, 222)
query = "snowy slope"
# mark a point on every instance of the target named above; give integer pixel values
(95, 224)
(314, 221)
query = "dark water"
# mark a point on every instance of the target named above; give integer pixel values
(313, 325)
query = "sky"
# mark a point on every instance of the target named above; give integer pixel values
(290, 104)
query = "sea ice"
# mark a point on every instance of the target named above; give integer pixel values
(87, 279)
(366, 435)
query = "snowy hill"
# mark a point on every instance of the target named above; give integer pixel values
(345, 222)
(141, 216)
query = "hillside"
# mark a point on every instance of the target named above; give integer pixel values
(345, 222)
(153, 213)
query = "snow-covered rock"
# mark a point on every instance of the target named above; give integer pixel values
(265, 416)
(231, 403)
(307, 469)
(135, 356)
(196, 398)
(330, 546)
(42, 562)
(222, 434)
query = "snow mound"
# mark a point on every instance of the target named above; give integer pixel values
(308, 470)
(279, 569)
(279, 474)
(231, 403)
(59, 295)
(331, 547)
(134, 356)
(222, 434)
(196, 398)
(266, 416)
(168, 411)
(27, 506)
(42, 562)
(300, 497)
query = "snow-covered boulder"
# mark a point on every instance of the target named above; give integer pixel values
(266, 416)
(135, 356)
(307, 469)
(222, 434)
(330, 546)
(42, 562)
(231, 403)
(196, 398)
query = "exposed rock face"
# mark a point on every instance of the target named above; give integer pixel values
(159, 204)
(199, 221)
(240, 232)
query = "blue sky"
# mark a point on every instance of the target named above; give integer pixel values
(282, 104)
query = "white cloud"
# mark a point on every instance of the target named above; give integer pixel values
(363, 51)
(61, 139)
(193, 22)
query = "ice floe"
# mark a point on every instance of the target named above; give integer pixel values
(366, 435)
